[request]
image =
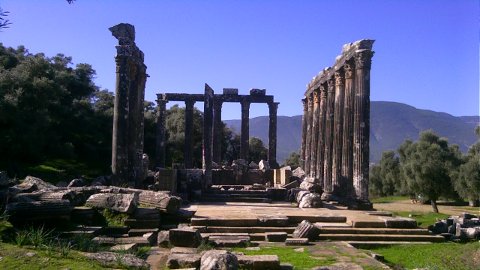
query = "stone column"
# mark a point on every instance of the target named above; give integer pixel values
(272, 135)
(315, 133)
(361, 130)
(304, 132)
(329, 116)
(188, 151)
(207, 136)
(347, 148)
(245, 132)
(338, 133)
(321, 134)
(308, 146)
(127, 133)
(160, 142)
(217, 130)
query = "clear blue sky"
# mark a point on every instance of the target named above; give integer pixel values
(426, 52)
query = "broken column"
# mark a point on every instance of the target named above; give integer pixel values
(207, 136)
(127, 134)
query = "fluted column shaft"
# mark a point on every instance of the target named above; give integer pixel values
(188, 150)
(207, 136)
(217, 131)
(315, 133)
(245, 132)
(338, 133)
(321, 135)
(160, 142)
(304, 132)
(361, 130)
(308, 138)
(272, 134)
(347, 149)
(329, 115)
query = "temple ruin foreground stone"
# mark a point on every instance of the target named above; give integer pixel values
(336, 126)
(128, 123)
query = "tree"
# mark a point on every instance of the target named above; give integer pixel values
(257, 150)
(293, 160)
(385, 177)
(467, 179)
(427, 166)
(4, 23)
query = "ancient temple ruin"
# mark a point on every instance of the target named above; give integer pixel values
(128, 123)
(212, 127)
(336, 126)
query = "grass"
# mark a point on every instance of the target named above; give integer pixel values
(113, 218)
(423, 219)
(389, 199)
(14, 257)
(300, 260)
(438, 256)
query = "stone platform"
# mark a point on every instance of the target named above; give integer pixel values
(336, 223)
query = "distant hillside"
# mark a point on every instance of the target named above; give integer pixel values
(391, 124)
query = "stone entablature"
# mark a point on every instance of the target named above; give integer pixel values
(336, 125)
(213, 124)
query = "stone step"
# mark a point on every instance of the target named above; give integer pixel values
(211, 198)
(383, 237)
(295, 219)
(250, 230)
(366, 244)
(332, 225)
(244, 192)
(390, 231)
(258, 262)
(140, 232)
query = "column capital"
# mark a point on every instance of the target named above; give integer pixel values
(316, 95)
(348, 67)
(305, 104)
(339, 77)
(323, 91)
(245, 105)
(273, 105)
(189, 103)
(363, 59)
(217, 104)
(331, 84)
(310, 101)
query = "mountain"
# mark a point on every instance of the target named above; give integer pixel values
(391, 123)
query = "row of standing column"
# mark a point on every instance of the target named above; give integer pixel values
(217, 132)
(335, 130)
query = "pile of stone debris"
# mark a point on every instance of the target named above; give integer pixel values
(458, 228)
(306, 191)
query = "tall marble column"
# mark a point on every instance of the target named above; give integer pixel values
(304, 132)
(160, 142)
(329, 116)
(127, 133)
(188, 151)
(245, 132)
(338, 133)
(217, 130)
(361, 130)
(207, 136)
(308, 146)
(347, 148)
(272, 134)
(321, 135)
(315, 133)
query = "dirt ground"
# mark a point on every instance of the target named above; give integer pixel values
(407, 205)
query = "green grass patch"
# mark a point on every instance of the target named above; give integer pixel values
(423, 219)
(57, 170)
(14, 257)
(438, 256)
(300, 260)
(389, 199)
(114, 218)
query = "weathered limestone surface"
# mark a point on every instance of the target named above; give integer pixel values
(127, 135)
(123, 203)
(218, 259)
(335, 133)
